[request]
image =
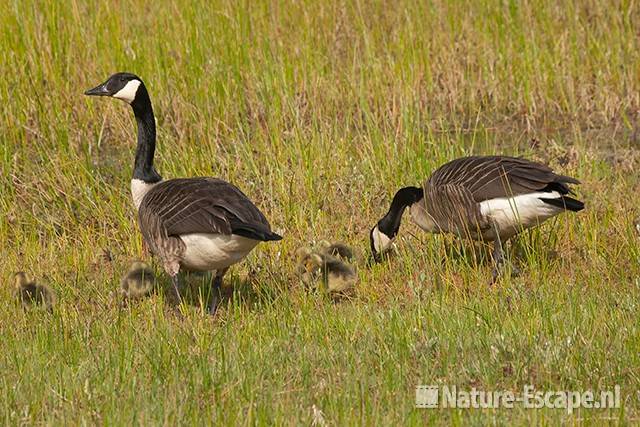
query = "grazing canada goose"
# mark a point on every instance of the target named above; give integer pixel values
(337, 249)
(197, 224)
(489, 198)
(29, 292)
(337, 277)
(138, 282)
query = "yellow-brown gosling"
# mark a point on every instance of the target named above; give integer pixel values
(138, 282)
(336, 276)
(337, 249)
(28, 292)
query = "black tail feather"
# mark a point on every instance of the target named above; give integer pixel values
(256, 234)
(565, 202)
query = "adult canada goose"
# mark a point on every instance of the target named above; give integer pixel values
(138, 282)
(489, 198)
(28, 292)
(198, 224)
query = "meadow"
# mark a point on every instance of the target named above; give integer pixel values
(319, 112)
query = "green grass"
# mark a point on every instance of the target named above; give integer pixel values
(319, 111)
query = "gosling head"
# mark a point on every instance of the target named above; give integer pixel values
(20, 279)
(313, 262)
(124, 86)
(138, 265)
(337, 249)
(308, 260)
(324, 245)
(302, 252)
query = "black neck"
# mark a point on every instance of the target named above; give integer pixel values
(405, 197)
(143, 167)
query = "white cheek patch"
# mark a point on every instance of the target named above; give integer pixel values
(139, 189)
(128, 92)
(381, 242)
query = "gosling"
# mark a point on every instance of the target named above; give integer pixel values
(337, 249)
(138, 282)
(30, 293)
(336, 276)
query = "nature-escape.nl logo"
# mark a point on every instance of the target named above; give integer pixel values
(446, 396)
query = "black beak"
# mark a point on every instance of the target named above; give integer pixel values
(100, 90)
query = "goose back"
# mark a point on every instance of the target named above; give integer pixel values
(198, 205)
(201, 205)
(454, 192)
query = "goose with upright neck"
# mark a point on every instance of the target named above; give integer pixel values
(130, 89)
(196, 224)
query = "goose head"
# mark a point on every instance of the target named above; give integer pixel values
(381, 243)
(123, 86)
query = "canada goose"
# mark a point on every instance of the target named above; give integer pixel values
(197, 224)
(636, 223)
(138, 282)
(336, 276)
(29, 292)
(337, 249)
(489, 198)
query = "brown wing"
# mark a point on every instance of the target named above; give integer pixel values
(454, 191)
(453, 209)
(490, 177)
(201, 205)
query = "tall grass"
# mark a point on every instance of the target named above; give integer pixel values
(319, 111)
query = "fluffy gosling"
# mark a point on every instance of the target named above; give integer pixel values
(337, 249)
(138, 282)
(336, 276)
(29, 293)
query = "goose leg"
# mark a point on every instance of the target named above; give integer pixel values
(515, 271)
(216, 291)
(498, 255)
(498, 259)
(177, 286)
